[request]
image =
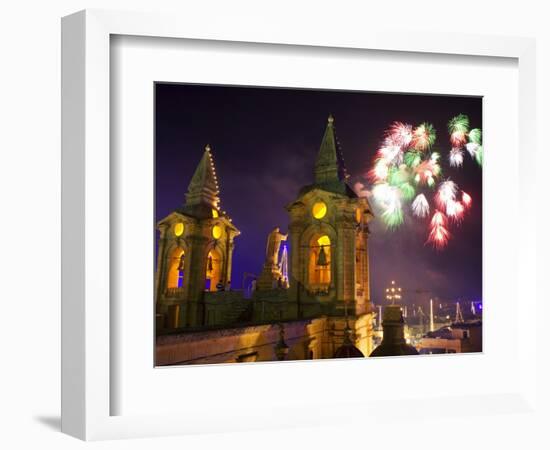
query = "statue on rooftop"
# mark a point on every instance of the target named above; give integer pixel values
(273, 246)
(271, 271)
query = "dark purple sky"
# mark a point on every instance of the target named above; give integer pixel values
(265, 141)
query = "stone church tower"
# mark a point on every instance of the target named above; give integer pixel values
(195, 250)
(328, 237)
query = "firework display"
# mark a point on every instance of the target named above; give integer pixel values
(407, 170)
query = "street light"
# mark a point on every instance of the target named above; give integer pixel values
(393, 293)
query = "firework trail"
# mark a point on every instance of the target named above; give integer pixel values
(472, 147)
(438, 219)
(475, 136)
(392, 154)
(389, 198)
(479, 156)
(379, 172)
(412, 158)
(427, 171)
(456, 157)
(423, 137)
(420, 206)
(446, 193)
(399, 134)
(458, 129)
(460, 136)
(455, 210)
(406, 170)
(458, 139)
(439, 235)
(466, 199)
(459, 123)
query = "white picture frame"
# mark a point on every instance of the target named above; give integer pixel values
(87, 386)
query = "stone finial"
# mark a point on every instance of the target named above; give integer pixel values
(393, 341)
(393, 313)
(207, 148)
(330, 119)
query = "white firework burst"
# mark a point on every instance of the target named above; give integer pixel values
(420, 206)
(472, 148)
(446, 192)
(456, 157)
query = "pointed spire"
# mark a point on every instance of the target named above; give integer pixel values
(329, 166)
(203, 187)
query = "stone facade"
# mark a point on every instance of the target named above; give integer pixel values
(250, 343)
(317, 338)
(348, 265)
(328, 217)
(324, 304)
(195, 251)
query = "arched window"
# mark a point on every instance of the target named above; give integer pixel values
(176, 269)
(213, 270)
(320, 263)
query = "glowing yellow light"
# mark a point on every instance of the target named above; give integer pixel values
(215, 213)
(178, 229)
(216, 232)
(319, 210)
(324, 240)
(358, 215)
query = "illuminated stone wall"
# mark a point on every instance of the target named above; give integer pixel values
(349, 263)
(245, 344)
(197, 240)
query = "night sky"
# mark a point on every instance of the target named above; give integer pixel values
(265, 141)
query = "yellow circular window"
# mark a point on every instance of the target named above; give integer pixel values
(179, 228)
(216, 232)
(319, 210)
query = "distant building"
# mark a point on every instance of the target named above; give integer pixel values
(465, 337)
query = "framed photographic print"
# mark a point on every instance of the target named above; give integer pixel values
(313, 292)
(255, 222)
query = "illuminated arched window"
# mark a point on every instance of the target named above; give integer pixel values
(176, 269)
(213, 270)
(320, 263)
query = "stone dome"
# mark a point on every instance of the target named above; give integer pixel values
(347, 349)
